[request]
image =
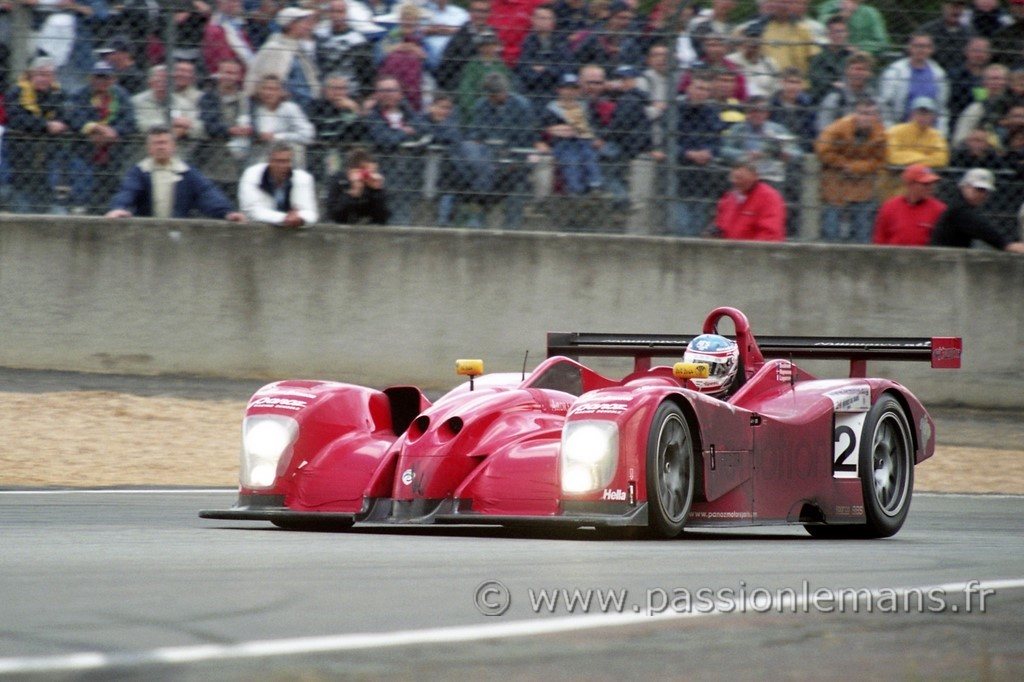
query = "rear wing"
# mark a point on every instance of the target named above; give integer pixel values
(942, 352)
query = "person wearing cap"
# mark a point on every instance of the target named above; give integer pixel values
(118, 53)
(751, 210)
(102, 117)
(852, 153)
(918, 141)
(500, 129)
(164, 186)
(487, 61)
(570, 134)
(35, 135)
(285, 55)
(909, 218)
(963, 222)
(949, 33)
(916, 76)
(225, 37)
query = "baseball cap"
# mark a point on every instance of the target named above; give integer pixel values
(627, 71)
(289, 14)
(924, 103)
(918, 172)
(981, 178)
(568, 80)
(102, 68)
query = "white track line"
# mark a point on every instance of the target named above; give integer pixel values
(377, 640)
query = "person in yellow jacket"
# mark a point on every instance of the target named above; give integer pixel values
(916, 141)
(852, 152)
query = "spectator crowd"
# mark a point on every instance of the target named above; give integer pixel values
(710, 120)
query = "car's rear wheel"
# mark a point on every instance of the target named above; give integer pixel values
(886, 466)
(670, 471)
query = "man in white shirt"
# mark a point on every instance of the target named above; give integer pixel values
(277, 193)
(445, 20)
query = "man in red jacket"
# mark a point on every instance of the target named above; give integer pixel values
(751, 210)
(908, 219)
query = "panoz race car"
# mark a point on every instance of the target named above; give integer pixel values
(566, 446)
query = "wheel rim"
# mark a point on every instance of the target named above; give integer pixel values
(890, 463)
(675, 475)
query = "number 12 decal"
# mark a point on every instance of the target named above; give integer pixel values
(845, 444)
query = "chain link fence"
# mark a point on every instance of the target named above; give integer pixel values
(586, 115)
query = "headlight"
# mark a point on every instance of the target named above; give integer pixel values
(266, 439)
(590, 454)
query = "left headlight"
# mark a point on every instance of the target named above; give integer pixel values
(266, 439)
(590, 454)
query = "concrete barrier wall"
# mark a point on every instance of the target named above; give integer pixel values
(376, 306)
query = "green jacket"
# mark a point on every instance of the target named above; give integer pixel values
(867, 26)
(471, 83)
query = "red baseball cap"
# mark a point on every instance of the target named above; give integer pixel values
(918, 172)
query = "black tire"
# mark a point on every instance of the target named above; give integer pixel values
(886, 466)
(670, 471)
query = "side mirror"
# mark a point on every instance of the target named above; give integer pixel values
(469, 368)
(690, 370)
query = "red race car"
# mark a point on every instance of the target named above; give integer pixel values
(735, 435)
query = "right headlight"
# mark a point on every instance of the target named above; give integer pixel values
(266, 440)
(590, 454)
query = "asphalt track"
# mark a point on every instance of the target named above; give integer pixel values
(132, 585)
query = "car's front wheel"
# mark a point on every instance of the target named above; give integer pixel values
(670, 471)
(886, 468)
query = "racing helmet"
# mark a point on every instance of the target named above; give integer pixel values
(721, 355)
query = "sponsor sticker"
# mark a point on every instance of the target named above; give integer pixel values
(407, 476)
(279, 403)
(601, 408)
(851, 398)
(617, 495)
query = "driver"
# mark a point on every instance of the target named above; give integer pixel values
(722, 356)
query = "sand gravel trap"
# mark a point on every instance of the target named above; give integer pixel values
(98, 438)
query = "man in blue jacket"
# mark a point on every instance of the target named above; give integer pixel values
(164, 186)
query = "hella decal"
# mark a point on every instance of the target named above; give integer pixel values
(617, 495)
